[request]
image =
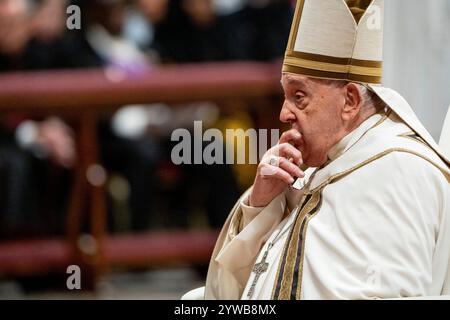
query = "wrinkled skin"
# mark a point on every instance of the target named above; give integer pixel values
(320, 113)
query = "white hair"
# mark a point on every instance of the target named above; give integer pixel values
(365, 94)
(369, 98)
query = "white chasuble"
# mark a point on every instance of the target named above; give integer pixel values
(374, 222)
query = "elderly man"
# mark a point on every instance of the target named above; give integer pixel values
(370, 218)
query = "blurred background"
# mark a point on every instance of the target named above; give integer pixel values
(86, 117)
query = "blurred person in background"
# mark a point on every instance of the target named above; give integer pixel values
(30, 150)
(193, 32)
(32, 32)
(208, 30)
(114, 37)
(49, 20)
(141, 21)
(125, 150)
(266, 23)
(101, 41)
(131, 37)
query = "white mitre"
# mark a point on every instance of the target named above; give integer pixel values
(444, 143)
(343, 40)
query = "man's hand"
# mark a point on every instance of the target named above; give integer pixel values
(57, 139)
(278, 169)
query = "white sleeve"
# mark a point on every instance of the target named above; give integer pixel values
(244, 247)
(249, 213)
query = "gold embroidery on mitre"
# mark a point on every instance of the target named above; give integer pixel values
(327, 66)
(295, 24)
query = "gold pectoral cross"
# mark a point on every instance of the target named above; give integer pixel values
(258, 269)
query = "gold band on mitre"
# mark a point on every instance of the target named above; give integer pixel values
(327, 67)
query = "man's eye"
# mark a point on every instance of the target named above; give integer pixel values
(298, 97)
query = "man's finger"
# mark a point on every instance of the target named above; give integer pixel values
(288, 151)
(269, 171)
(291, 168)
(291, 136)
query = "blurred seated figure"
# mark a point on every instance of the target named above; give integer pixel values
(207, 30)
(122, 36)
(30, 151)
(193, 32)
(101, 43)
(113, 36)
(190, 31)
(14, 32)
(34, 159)
(267, 24)
(141, 20)
(49, 20)
(32, 33)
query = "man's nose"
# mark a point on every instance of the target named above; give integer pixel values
(286, 115)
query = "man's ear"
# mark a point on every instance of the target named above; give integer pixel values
(353, 101)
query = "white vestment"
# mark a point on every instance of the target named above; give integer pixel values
(373, 223)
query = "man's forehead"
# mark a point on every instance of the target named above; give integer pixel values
(291, 79)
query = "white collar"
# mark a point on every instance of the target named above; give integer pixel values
(293, 197)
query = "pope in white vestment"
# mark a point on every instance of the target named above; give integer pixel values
(373, 222)
(378, 226)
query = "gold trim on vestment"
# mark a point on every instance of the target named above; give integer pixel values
(376, 157)
(300, 273)
(283, 284)
(302, 202)
(290, 252)
(414, 137)
(292, 247)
